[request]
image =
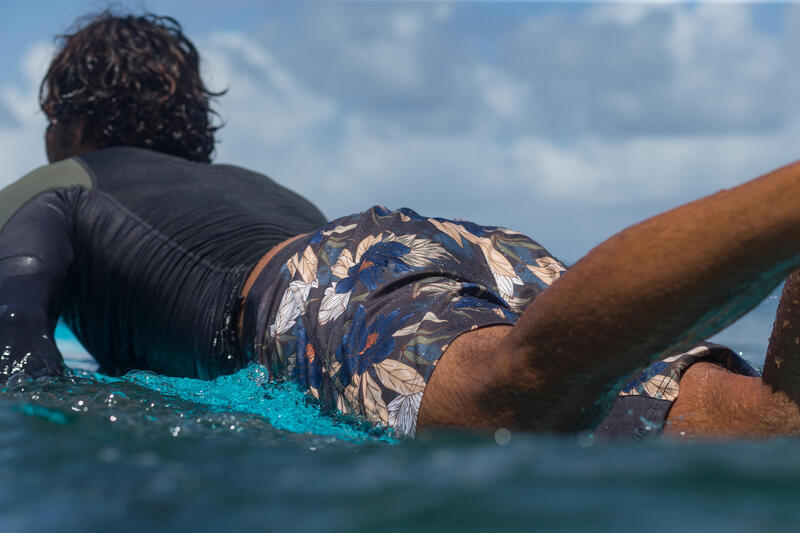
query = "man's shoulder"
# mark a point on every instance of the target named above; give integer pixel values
(66, 173)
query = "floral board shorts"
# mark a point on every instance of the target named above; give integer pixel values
(360, 311)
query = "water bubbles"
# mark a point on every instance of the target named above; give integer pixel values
(45, 381)
(17, 382)
(106, 399)
(648, 425)
(162, 407)
(502, 436)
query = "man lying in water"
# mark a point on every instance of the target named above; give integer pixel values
(158, 260)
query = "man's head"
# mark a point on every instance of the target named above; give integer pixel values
(127, 81)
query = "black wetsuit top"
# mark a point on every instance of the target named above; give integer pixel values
(144, 256)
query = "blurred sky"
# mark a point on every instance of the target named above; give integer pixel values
(565, 121)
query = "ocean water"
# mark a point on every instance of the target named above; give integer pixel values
(148, 453)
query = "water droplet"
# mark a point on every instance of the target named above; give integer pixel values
(17, 382)
(502, 436)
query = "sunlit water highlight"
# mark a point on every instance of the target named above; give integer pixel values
(91, 453)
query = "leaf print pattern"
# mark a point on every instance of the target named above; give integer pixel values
(376, 257)
(548, 269)
(367, 342)
(363, 308)
(304, 265)
(291, 306)
(661, 380)
(399, 377)
(364, 392)
(403, 413)
(504, 274)
(410, 330)
(333, 304)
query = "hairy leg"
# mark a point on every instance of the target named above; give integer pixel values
(782, 364)
(714, 402)
(659, 286)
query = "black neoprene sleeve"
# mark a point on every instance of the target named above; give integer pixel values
(36, 253)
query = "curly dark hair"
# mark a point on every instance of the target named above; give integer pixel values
(134, 81)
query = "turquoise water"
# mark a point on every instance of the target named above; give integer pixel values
(90, 453)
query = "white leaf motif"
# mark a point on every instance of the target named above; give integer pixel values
(291, 306)
(403, 412)
(399, 377)
(409, 330)
(333, 305)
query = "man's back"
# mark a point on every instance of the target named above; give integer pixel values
(162, 246)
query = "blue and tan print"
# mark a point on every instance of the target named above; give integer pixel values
(368, 304)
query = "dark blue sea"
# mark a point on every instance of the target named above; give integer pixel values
(147, 453)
